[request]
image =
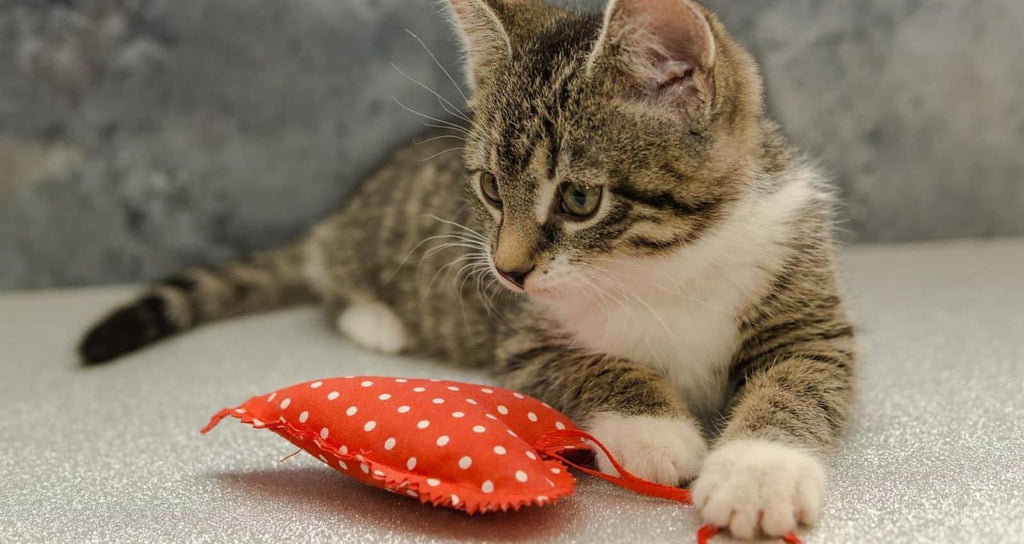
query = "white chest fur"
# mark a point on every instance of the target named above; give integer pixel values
(679, 313)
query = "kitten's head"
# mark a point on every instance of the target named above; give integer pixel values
(599, 138)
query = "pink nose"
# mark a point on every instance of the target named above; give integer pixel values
(517, 277)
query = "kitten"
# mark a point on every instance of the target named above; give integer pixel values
(664, 257)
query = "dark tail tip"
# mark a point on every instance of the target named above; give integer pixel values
(126, 330)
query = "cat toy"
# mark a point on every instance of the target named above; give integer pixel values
(463, 446)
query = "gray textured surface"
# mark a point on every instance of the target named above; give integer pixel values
(113, 453)
(185, 131)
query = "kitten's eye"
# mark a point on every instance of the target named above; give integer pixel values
(489, 187)
(579, 201)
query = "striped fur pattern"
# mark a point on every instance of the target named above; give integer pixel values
(692, 319)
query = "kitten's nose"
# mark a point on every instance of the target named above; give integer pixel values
(518, 276)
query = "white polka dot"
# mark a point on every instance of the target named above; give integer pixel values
(546, 405)
(411, 463)
(473, 402)
(531, 416)
(556, 471)
(550, 483)
(370, 425)
(314, 385)
(435, 380)
(344, 450)
(479, 428)
(389, 443)
(271, 397)
(384, 396)
(518, 395)
(513, 433)
(351, 411)
(457, 415)
(423, 424)
(285, 403)
(281, 419)
(452, 388)
(531, 455)
(486, 390)
(433, 482)
(324, 432)
(303, 417)
(500, 450)
(487, 487)
(403, 409)
(438, 401)
(342, 465)
(542, 498)
(256, 422)
(364, 467)
(490, 416)
(333, 395)
(559, 425)
(367, 383)
(412, 493)
(419, 389)
(455, 500)
(322, 458)
(378, 473)
(240, 410)
(465, 462)
(442, 440)
(401, 380)
(502, 410)
(521, 476)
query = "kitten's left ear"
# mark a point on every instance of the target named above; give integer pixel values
(484, 37)
(666, 46)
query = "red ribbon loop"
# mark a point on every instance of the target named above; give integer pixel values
(554, 443)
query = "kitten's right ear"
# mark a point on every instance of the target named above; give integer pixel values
(484, 37)
(665, 48)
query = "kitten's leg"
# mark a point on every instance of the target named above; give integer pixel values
(630, 407)
(373, 325)
(766, 472)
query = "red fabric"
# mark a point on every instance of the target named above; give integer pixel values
(451, 444)
(469, 447)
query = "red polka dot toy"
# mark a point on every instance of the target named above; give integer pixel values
(451, 444)
(468, 447)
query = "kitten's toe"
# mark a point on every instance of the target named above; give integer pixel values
(664, 450)
(373, 326)
(753, 486)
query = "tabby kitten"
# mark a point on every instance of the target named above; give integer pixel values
(664, 256)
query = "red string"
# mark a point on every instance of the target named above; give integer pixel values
(553, 444)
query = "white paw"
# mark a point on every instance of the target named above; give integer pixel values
(373, 326)
(747, 485)
(664, 450)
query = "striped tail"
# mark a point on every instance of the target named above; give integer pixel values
(268, 280)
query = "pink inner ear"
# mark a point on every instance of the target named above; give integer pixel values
(676, 29)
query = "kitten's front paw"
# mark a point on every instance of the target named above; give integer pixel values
(664, 450)
(747, 485)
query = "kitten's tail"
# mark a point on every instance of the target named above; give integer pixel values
(265, 281)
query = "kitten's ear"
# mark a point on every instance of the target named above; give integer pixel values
(667, 49)
(484, 37)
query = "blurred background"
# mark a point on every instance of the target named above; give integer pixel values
(140, 136)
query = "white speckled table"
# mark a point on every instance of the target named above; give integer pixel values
(935, 454)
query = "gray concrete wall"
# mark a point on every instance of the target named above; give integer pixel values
(139, 136)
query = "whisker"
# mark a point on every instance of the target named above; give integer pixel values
(436, 155)
(445, 103)
(446, 124)
(439, 65)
